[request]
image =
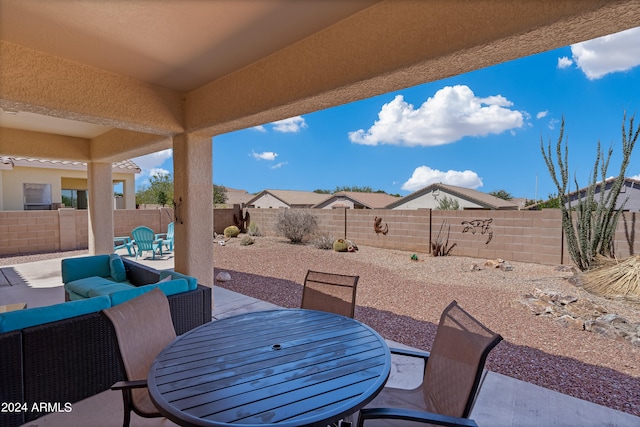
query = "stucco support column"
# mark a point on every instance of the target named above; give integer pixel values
(129, 193)
(193, 196)
(100, 208)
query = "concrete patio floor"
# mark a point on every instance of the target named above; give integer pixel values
(502, 401)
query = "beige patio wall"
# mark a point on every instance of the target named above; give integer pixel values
(526, 236)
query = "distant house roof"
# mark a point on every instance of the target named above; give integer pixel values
(292, 198)
(629, 194)
(8, 163)
(485, 200)
(237, 197)
(366, 200)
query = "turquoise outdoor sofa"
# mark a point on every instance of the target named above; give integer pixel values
(67, 352)
(98, 275)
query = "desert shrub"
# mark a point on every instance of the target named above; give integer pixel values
(340, 245)
(323, 241)
(295, 224)
(231, 231)
(246, 241)
(254, 230)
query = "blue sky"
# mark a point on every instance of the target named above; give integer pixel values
(479, 130)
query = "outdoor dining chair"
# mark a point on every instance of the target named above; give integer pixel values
(167, 238)
(143, 328)
(335, 293)
(146, 241)
(450, 382)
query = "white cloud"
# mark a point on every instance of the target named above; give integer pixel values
(266, 155)
(150, 165)
(158, 171)
(152, 160)
(608, 54)
(278, 165)
(290, 125)
(564, 62)
(453, 113)
(542, 114)
(424, 176)
(259, 128)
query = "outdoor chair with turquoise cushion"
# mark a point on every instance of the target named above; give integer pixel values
(167, 238)
(146, 241)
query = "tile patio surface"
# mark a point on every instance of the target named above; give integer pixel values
(502, 401)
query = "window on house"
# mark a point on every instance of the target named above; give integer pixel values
(74, 198)
(36, 196)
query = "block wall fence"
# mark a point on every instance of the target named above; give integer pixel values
(524, 236)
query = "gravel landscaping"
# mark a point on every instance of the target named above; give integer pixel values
(402, 299)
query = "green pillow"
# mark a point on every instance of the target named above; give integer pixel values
(118, 272)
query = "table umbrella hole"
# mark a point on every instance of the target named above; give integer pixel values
(276, 347)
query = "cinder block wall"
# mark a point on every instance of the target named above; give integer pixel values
(526, 236)
(29, 231)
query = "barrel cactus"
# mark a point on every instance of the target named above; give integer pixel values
(231, 231)
(340, 245)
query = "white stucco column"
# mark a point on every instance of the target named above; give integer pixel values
(193, 198)
(100, 208)
(129, 192)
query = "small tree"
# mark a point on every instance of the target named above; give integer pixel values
(448, 204)
(596, 220)
(501, 194)
(295, 224)
(219, 194)
(159, 190)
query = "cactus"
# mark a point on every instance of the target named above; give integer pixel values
(231, 231)
(340, 245)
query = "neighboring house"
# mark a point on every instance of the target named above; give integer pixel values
(430, 197)
(41, 184)
(237, 197)
(357, 200)
(285, 199)
(629, 194)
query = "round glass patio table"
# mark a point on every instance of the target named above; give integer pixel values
(288, 367)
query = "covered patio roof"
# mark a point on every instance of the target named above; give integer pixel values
(103, 81)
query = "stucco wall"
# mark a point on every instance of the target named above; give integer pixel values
(268, 201)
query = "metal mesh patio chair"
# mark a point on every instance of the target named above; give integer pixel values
(143, 328)
(335, 293)
(451, 377)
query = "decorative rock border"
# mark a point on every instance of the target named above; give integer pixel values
(582, 314)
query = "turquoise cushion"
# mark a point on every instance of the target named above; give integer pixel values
(83, 286)
(116, 266)
(20, 319)
(109, 289)
(86, 266)
(192, 282)
(172, 287)
(125, 295)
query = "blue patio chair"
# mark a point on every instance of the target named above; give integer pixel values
(167, 238)
(123, 242)
(146, 241)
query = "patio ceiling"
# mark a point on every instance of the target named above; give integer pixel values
(105, 80)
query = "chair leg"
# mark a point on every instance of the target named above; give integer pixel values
(126, 400)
